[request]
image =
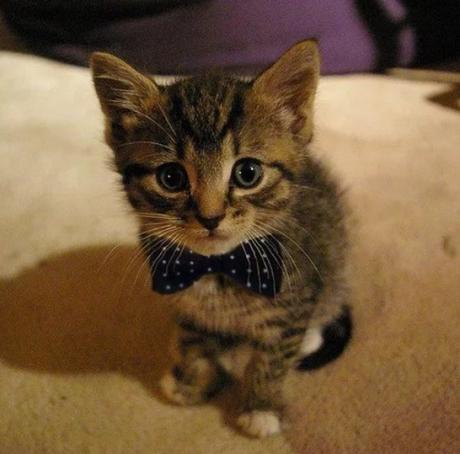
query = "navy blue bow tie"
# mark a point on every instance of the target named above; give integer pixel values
(255, 264)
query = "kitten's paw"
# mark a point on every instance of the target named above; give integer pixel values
(178, 392)
(260, 423)
(190, 390)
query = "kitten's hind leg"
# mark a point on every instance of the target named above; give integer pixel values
(193, 382)
(196, 376)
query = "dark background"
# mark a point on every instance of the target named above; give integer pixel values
(177, 36)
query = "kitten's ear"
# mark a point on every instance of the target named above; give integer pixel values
(289, 85)
(120, 88)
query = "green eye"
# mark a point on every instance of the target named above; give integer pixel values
(247, 173)
(172, 177)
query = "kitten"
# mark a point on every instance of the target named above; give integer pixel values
(243, 228)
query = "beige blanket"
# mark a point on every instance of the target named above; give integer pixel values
(82, 339)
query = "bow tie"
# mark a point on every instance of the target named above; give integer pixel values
(255, 265)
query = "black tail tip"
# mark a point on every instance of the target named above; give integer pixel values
(336, 336)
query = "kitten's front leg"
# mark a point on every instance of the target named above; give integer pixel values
(263, 382)
(196, 376)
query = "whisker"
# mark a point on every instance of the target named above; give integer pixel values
(167, 120)
(171, 240)
(132, 108)
(299, 248)
(306, 187)
(108, 256)
(136, 255)
(149, 251)
(266, 262)
(257, 265)
(147, 142)
(147, 260)
(301, 227)
(273, 251)
(246, 256)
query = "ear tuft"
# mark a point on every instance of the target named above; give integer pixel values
(120, 87)
(289, 85)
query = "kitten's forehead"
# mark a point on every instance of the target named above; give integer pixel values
(205, 110)
(211, 169)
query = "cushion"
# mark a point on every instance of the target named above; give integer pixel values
(183, 36)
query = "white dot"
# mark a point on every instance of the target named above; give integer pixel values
(191, 262)
(165, 274)
(178, 273)
(249, 270)
(181, 285)
(168, 287)
(232, 257)
(192, 270)
(248, 284)
(233, 271)
(164, 262)
(164, 248)
(178, 262)
(248, 256)
(263, 240)
(264, 256)
(264, 285)
(246, 241)
(265, 270)
(209, 269)
(177, 249)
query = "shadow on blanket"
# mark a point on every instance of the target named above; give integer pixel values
(91, 311)
(85, 311)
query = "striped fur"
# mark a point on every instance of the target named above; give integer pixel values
(206, 124)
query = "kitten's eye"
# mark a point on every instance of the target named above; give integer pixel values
(247, 173)
(172, 177)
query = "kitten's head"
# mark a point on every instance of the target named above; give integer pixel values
(210, 161)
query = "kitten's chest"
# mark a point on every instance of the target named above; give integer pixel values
(228, 309)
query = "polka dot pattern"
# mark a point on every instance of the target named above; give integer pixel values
(254, 265)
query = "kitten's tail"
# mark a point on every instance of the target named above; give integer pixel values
(329, 343)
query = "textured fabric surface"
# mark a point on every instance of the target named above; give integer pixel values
(183, 36)
(83, 340)
(354, 35)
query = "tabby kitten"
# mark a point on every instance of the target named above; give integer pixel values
(243, 228)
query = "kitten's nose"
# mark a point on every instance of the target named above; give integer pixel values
(210, 223)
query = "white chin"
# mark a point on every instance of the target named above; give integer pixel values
(214, 245)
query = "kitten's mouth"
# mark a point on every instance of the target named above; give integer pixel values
(214, 242)
(215, 236)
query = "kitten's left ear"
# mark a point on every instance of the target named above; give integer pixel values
(288, 86)
(120, 88)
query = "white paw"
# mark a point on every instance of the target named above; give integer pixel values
(311, 342)
(171, 391)
(260, 423)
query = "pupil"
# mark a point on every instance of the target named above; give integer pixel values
(173, 178)
(247, 173)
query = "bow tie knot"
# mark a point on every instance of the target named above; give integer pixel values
(255, 264)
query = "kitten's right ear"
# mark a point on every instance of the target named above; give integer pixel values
(120, 88)
(288, 86)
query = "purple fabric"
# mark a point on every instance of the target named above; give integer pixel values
(354, 35)
(243, 34)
